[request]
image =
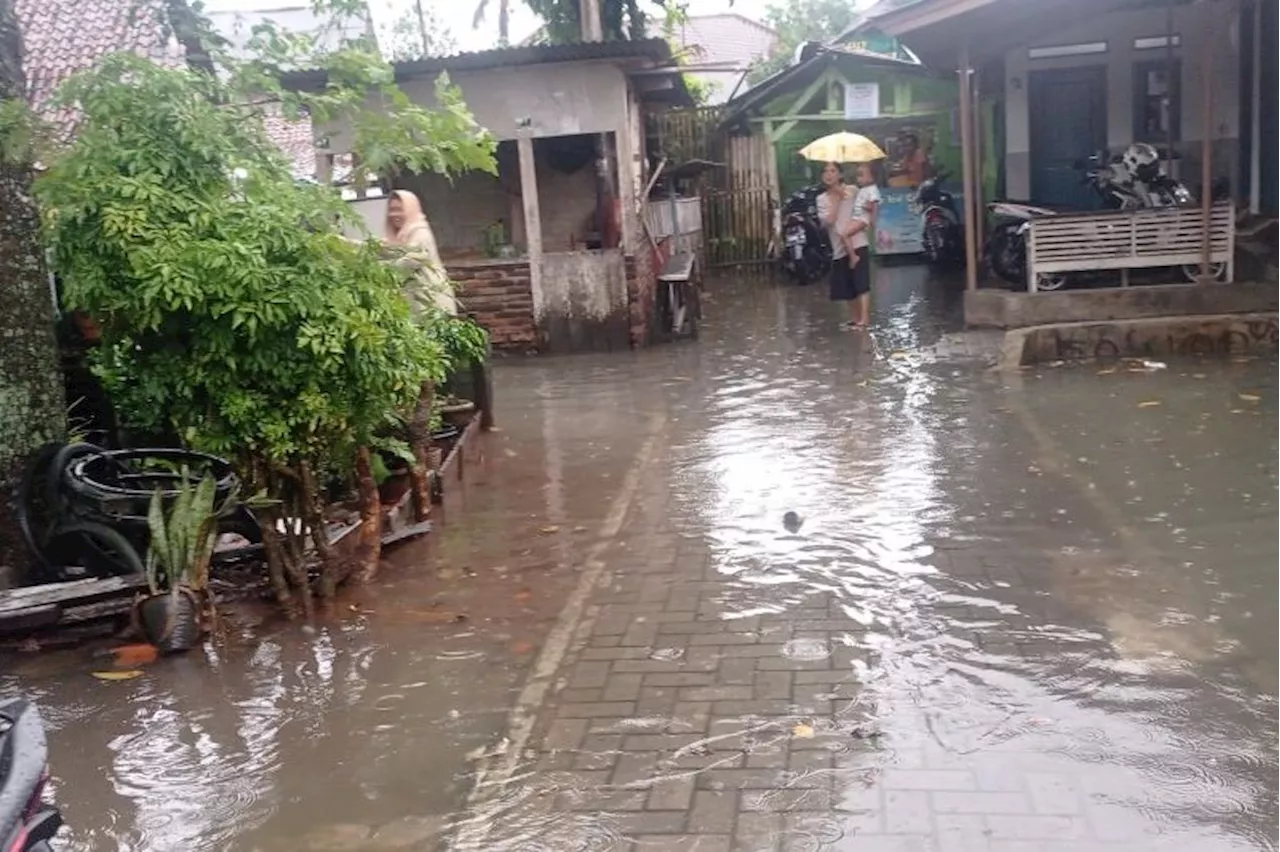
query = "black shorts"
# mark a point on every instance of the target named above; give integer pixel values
(848, 284)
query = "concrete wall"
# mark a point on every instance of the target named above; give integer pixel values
(1228, 334)
(993, 308)
(584, 302)
(560, 99)
(1119, 31)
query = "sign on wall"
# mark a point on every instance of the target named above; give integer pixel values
(861, 100)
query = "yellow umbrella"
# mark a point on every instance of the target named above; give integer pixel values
(842, 147)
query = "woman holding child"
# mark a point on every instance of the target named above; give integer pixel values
(848, 214)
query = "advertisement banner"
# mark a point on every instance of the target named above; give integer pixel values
(899, 226)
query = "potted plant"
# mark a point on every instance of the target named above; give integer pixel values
(391, 470)
(173, 616)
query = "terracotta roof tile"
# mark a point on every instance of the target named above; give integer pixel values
(62, 37)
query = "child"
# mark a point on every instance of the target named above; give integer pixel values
(866, 202)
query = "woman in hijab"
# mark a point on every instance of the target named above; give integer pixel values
(406, 227)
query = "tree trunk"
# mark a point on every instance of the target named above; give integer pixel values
(420, 443)
(369, 537)
(32, 404)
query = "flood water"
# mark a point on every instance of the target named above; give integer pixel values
(1063, 582)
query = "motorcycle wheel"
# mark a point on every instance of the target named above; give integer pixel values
(1191, 271)
(1050, 283)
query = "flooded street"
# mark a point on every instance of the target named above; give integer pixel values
(784, 588)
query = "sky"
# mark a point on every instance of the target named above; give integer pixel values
(457, 15)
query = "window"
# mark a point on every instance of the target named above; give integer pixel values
(1156, 101)
(1067, 50)
(1152, 42)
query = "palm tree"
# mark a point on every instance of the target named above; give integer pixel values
(504, 18)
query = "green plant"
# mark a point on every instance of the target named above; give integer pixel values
(461, 339)
(232, 309)
(183, 537)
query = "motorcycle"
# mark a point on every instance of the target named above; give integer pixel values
(1006, 247)
(942, 235)
(1133, 180)
(806, 250)
(27, 822)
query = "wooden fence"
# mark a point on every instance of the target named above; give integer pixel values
(737, 200)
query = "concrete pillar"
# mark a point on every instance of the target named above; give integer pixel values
(971, 211)
(532, 221)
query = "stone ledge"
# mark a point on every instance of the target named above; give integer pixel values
(991, 308)
(1220, 334)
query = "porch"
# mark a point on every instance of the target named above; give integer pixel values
(1074, 78)
(548, 253)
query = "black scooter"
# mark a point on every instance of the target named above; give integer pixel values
(942, 235)
(27, 822)
(806, 249)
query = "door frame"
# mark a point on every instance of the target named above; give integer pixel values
(1035, 79)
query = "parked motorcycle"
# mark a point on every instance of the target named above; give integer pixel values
(27, 822)
(942, 235)
(806, 250)
(1133, 180)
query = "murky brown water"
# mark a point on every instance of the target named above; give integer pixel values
(1068, 573)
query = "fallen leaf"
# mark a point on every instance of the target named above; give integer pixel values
(129, 656)
(1149, 403)
(802, 731)
(1250, 397)
(128, 675)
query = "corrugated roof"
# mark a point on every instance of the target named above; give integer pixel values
(801, 74)
(653, 49)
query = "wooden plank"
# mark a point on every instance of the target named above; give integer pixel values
(78, 591)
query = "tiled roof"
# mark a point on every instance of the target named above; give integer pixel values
(61, 37)
(725, 38)
(731, 39)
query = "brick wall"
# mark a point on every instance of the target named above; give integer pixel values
(498, 295)
(641, 281)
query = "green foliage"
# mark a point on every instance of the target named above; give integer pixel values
(461, 340)
(183, 538)
(230, 306)
(798, 21)
(620, 19)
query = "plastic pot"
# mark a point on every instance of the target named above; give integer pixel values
(170, 620)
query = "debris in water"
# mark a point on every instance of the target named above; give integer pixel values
(1149, 403)
(1250, 397)
(802, 731)
(131, 656)
(791, 522)
(551, 530)
(128, 675)
(1145, 365)
(1108, 371)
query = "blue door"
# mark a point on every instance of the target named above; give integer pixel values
(1068, 113)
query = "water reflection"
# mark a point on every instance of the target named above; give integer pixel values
(1034, 587)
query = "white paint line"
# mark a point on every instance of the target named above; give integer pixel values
(495, 771)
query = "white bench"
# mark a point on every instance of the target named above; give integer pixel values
(1125, 240)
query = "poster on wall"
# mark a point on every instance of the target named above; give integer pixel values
(899, 228)
(861, 100)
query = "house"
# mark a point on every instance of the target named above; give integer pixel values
(1075, 77)
(725, 45)
(1078, 76)
(871, 88)
(550, 253)
(63, 37)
